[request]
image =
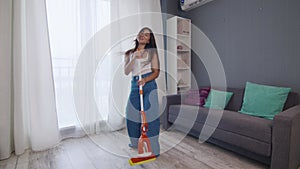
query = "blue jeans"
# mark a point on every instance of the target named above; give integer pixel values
(133, 116)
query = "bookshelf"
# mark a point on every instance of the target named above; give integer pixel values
(178, 55)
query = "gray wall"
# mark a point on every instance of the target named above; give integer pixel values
(257, 40)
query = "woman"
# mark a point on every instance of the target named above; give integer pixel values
(143, 58)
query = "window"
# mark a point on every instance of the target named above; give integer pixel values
(71, 24)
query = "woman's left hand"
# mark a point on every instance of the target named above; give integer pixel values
(141, 82)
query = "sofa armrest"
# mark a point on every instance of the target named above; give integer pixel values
(167, 101)
(286, 139)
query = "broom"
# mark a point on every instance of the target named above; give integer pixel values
(144, 148)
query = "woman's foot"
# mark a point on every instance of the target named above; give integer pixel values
(131, 146)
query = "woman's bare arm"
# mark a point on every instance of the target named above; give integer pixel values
(129, 62)
(155, 70)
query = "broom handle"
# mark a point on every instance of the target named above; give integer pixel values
(141, 94)
(143, 115)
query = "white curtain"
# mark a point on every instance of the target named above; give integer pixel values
(88, 41)
(5, 77)
(27, 108)
(28, 118)
(81, 95)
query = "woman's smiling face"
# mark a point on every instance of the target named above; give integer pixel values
(144, 37)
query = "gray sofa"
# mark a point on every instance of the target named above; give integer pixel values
(272, 142)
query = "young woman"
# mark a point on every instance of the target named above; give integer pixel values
(143, 58)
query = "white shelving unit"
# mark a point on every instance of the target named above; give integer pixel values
(178, 55)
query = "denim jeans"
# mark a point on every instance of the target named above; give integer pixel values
(133, 116)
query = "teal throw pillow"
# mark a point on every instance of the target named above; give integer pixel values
(217, 99)
(264, 101)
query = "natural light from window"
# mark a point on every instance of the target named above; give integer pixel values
(71, 24)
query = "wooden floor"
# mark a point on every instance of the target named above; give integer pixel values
(110, 150)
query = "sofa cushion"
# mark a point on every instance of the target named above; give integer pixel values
(250, 126)
(196, 97)
(217, 99)
(264, 101)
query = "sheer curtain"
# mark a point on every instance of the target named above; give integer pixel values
(31, 113)
(88, 40)
(29, 117)
(5, 77)
(72, 24)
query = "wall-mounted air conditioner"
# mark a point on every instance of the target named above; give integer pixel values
(187, 5)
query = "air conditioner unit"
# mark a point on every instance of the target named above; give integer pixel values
(187, 5)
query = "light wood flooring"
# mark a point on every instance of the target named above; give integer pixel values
(110, 150)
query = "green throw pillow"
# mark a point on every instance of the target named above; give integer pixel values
(217, 99)
(264, 101)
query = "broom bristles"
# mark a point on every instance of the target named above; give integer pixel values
(141, 160)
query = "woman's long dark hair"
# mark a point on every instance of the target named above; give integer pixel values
(151, 46)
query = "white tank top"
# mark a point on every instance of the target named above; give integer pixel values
(141, 65)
